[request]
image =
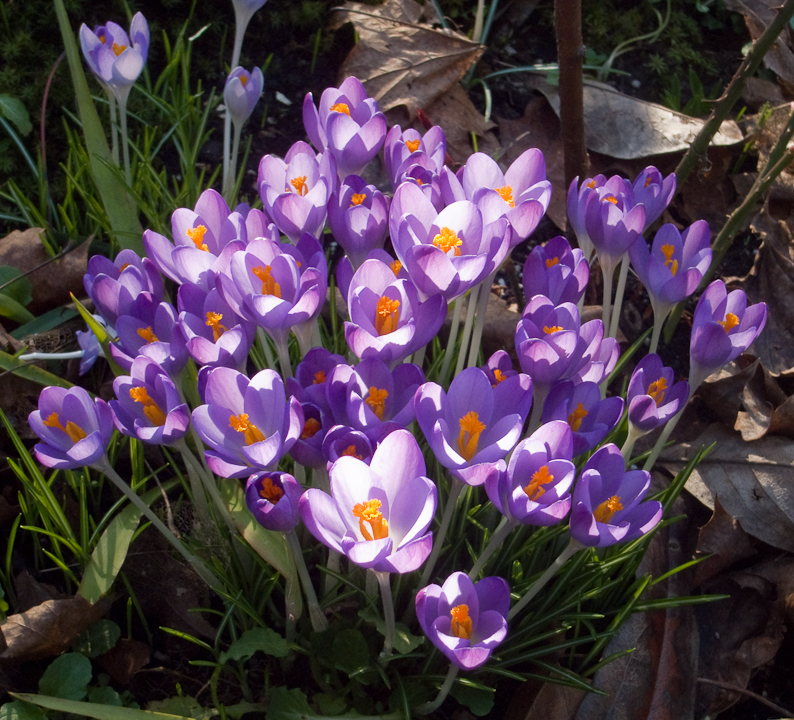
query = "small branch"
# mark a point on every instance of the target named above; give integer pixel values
(786, 714)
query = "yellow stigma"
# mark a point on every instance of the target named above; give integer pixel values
(269, 284)
(656, 390)
(319, 377)
(299, 183)
(591, 183)
(150, 408)
(648, 181)
(541, 477)
(251, 432)
(350, 451)
(270, 491)
(413, 145)
(551, 262)
(387, 315)
(377, 401)
(357, 199)
(342, 108)
(551, 330)
(118, 49)
(310, 428)
(396, 266)
(124, 267)
(369, 512)
(469, 437)
(507, 195)
(147, 334)
(73, 430)
(610, 198)
(418, 181)
(498, 376)
(196, 234)
(447, 240)
(461, 622)
(575, 418)
(604, 512)
(214, 321)
(667, 251)
(103, 39)
(243, 80)
(730, 321)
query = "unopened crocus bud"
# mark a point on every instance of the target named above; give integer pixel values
(272, 498)
(241, 93)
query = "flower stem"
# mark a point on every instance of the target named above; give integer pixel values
(261, 335)
(624, 272)
(539, 393)
(494, 544)
(384, 580)
(482, 309)
(464, 343)
(443, 691)
(453, 336)
(125, 143)
(114, 128)
(319, 621)
(668, 429)
(283, 358)
(607, 270)
(228, 188)
(438, 541)
(572, 547)
(634, 434)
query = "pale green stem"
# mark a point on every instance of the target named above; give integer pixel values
(539, 393)
(493, 545)
(371, 587)
(227, 141)
(453, 336)
(114, 128)
(282, 348)
(456, 486)
(228, 189)
(482, 309)
(29, 357)
(624, 272)
(608, 270)
(634, 434)
(125, 144)
(265, 345)
(573, 547)
(306, 334)
(668, 429)
(384, 580)
(321, 479)
(660, 313)
(299, 473)
(419, 356)
(464, 343)
(335, 564)
(196, 487)
(319, 621)
(242, 17)
(434, 705)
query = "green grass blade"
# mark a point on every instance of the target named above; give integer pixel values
(11, 309)
(30, 372)
(94, 710)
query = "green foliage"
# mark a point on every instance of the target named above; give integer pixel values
(67, 677)
(256, 640)
(98, 639)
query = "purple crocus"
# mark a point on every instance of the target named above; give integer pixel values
(341, 441)
(90, 345)
(535, 489)
(405, 149)
(473, 425)
(377, 514)
(607, 506)
(723, 327)
(580, 406)
(654, 192)
(348, 124)
(499, 367)
(149, 406)
(613, 224)
(578, 198)
(246, 423)
(241, 93)
(309, 383)
(74, 428)
(465, 620)
(653, 396)
(307, 450)
(272, 498)
(387, 318)
(556, 271)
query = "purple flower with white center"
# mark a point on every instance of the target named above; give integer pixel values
(241, 93)
(272, 498)
(499, 367)
(341, 441)
(377, 514)
(577, 203)
(246, 423)
(149, 406)
(295, 190)
(465, 620)
(309, 383)
(580, 406)
(74, 428)
(387, 318)
(535, 489)
(445, 253)
(654, 192)
(613, 224)
(722, 329)
(214, 333)
(358, 215)
(653, 396)
(406, 148)
(348, 124)
(115, 58)
(556, 271)
(473, 425)
(607, 507)
(373, 399)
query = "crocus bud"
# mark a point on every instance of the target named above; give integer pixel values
(241, 93)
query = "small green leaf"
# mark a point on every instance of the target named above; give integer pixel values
(105, 696)
(330, 704)
(31, 372)
(67, 677)
(257, 640)
(49, 320)
(289, 705)
(18, 710)
(20, 290)
(404, 641)
(14, 110)
(92, 710)
(478, 700)
(11, 309)
(351, 653)
(98, 638)
(185, 705)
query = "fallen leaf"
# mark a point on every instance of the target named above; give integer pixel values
(123, 660)
(400, 59)
(752, 480)
(780, 571)
(551, 702)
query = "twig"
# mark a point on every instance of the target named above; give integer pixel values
(787, 715)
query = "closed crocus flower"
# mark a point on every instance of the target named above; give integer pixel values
(348, 124)
(405, 148)
(241, 93)
(74, 429)
(149, 406)
(607, 501)
(309, 383)
(613, 224)
(653, 396)
(578, 197)
(465, 620)
(473, 425)
(246, 423)
(307, 450)
(343, 441)
(557, 271)
(654, 192)
(499, 367)
(377, 514)
(272, 498)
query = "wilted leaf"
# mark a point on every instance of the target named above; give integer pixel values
(124, 660)
(625, 127)
(400, 59)
(552, 702)
(752, 480)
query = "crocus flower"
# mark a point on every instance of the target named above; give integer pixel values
(535, 489)
(341, 441)
(309, 383)
(358, 215)
(580, 406)
(578, 198)
(653, 192)
(465, 620)
(241, 93)
(499, 367)
(722, 329)
(613, 225)
(653, 396)
(348, 124)
(272, 498)
(116, 58)
(246, 423)
(607, 506)
(387, 318)
(149, 406)
(307, 450)
(556, 271)
(601, 363)
(377, 514)
(404, 149)
(90, 346)
(473, 425)
(74, 429)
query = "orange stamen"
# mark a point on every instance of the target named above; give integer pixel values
(667, 251)
(656, 391)
(319, 377)
(413, 145)
(377, 401)
(341, 108)
(575, 418)
(730, 321)
(369, 512)
(357, 199)
(498, 376)
(310, 428)
(270, 491)
(243, 80)
(447, 240)
(147, 334)
(610, 198)
(469, 437)
(150, 408)
(350, 451)
(73, 430)
(269, 284)
(214, 321)
(461, 626)
(299, 183)
(507, 195)
(124, 267)
(196, 234)
(252, 433)
(551, 330)
(118, 49)
(604, 512)
(387, 315)
(541, 477)
(648, 181)
(551, 262)
(396, 266)
(591, 183)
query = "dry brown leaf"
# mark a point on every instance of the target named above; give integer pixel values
(552, 702)
(124, 659)
(400, 59)
(753, 481)
(780, 571)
